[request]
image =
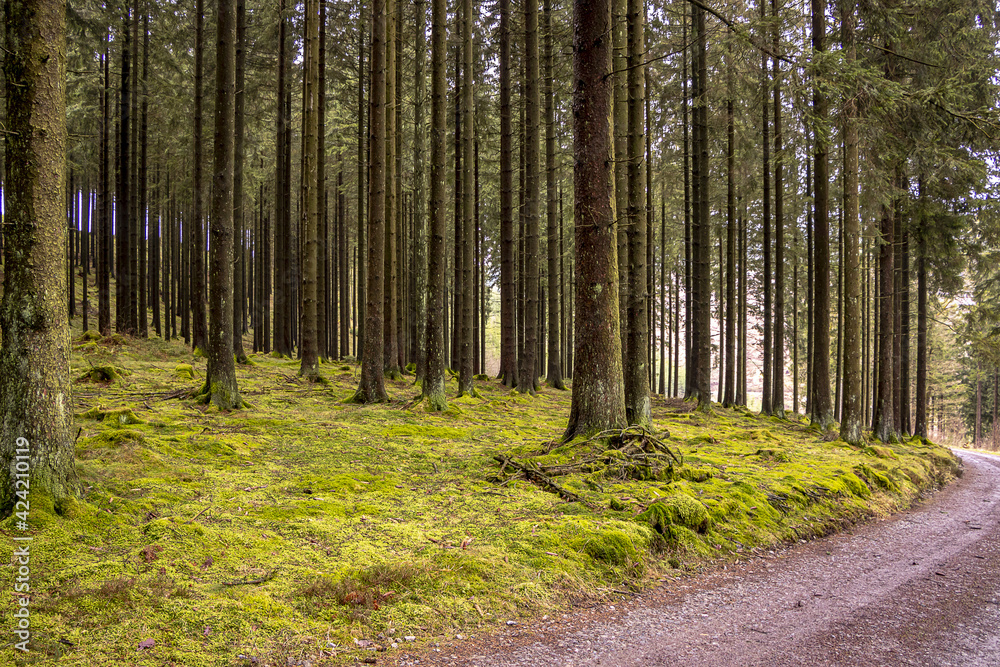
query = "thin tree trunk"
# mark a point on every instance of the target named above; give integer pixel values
(822, 414)
(199, 336)
(527, 375)
(554, 370)
(434, 382)
(466, 383)
(637, 403)
(419, 195)
(851, 419)
(239, 294)
(508, 244)
(778, 364)
(371, 388)
(729, 396)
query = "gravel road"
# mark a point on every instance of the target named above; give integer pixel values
(921, 588)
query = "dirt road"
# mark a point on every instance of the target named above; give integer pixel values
(922, 588)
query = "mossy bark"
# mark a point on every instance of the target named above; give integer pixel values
(35, 403)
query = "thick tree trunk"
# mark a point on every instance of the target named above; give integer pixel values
(598, 401)
(36, 449)
(123, 206)
(104, 216)
(390, 359)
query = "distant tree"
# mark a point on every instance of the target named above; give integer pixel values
(35, 400)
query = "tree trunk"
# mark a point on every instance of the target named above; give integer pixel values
(309, 368)
(778, 365)
(123, 207)
(104, 216)
(528, 372)
(390, 360)
(434, 382)
(729, 395)
(767, 395)
(822, 414)
(36, 448)
(851, 419)
(620, 76)
(220, 383)
(508, 244)
(419, 195)
(637, 403)
(371, 388)
(466, 385)
(554, 376)
(196, 239)
(701, 251)
(239, 294)
(598, 401)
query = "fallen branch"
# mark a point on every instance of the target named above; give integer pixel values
(541, 479)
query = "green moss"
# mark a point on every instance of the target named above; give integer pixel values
(404, 507)
(184, 371)
(90, 335)
(678, 509)
(119, 417)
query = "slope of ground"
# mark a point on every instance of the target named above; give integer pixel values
(308, 530)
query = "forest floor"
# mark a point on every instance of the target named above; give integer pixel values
(307, 530)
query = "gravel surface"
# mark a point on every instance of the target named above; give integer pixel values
(921, 588)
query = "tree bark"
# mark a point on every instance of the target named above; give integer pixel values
(598, 401)
(637, 403)
(822, 414)
(434, 382)
(35, 401)
(371, 388)
(220, 383)
(527, 373)
(554, 377)
(851, 419)
(508, 243)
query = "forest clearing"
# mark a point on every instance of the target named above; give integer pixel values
(310, 528)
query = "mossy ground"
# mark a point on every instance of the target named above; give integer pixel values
(287, 531)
